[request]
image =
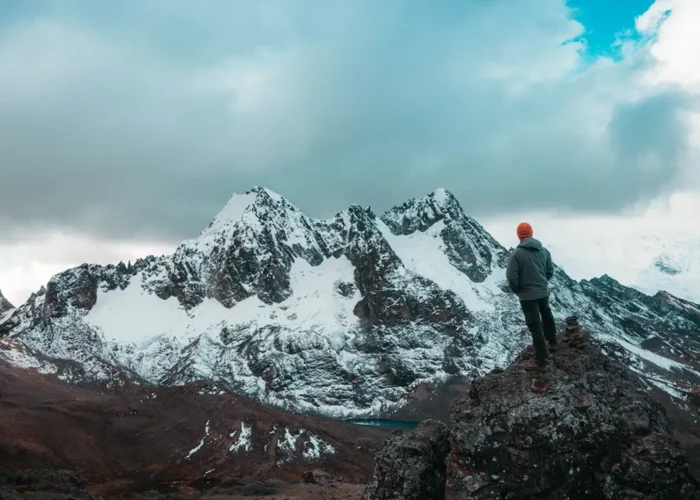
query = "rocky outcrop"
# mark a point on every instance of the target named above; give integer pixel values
(4, 304)
(412, 465)
(594, 433)
(44, 485)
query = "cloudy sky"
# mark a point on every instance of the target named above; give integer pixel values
(125, 126)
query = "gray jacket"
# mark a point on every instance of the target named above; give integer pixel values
(529, 269)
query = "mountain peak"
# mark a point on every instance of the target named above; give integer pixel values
(4, 304)
(421, 213)
(266, 193)
(239, 205)
(442, 196)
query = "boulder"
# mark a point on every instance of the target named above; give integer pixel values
(411, 466)
(44, 485)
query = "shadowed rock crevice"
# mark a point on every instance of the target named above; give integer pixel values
(412, 465)
(5, 304)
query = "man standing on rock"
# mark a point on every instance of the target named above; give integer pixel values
(529, 271)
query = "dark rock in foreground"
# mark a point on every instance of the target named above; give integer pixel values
(595, 434)
(420, 456)
(44, 485)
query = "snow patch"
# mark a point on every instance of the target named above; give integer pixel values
(134, 315)
(6, 315)
(201, 443)
(275, 197)
(288, 445)
(316, 447)
(651, 357)
(245, 439)
(423, 253)
(441, 196)
(232, 213)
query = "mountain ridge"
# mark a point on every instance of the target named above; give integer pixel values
(5, 304)
(341, 317)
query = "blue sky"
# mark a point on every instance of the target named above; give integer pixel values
(605, 21)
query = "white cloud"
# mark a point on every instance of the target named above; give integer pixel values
(675, 52)
(268, 103)
(540, 51)
(674, 23)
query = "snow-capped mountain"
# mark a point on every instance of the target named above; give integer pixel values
(677, 272)
(341, 317)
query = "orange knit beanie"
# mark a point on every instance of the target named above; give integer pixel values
(524, 231)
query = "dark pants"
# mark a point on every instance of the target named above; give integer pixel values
(540, 321)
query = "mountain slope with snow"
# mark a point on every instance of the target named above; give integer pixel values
(676, 271)
(340, 317)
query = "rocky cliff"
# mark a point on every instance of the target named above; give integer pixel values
(594, 433)
(342, 317)
(4, 305)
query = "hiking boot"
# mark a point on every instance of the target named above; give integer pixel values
(552, 347)
(539, 385)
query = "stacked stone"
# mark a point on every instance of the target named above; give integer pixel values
(573, 336)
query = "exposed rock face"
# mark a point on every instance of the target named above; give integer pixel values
(468, 246)
(412, 465)
(4, 304)
(44, 485)
(595, 433)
